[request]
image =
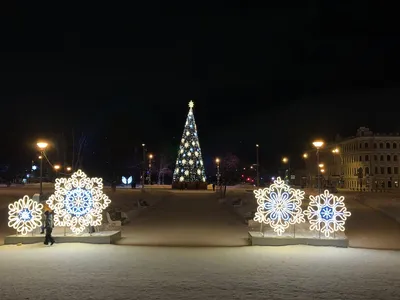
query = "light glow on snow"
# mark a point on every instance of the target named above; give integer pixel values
(279, 206)
(78, 202)
(327, 213)
(25, 215)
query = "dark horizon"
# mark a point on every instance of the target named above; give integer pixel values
(276, 76)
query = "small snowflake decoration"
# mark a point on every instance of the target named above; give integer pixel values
(279, 206)
(78, 202)
(327, 213)
(25, 215)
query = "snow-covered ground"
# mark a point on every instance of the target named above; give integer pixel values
(78, 271)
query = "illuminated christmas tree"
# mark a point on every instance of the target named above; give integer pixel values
(189, 166)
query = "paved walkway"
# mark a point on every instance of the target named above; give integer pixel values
(186, 219)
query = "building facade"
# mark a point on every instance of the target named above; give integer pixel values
(366, 161)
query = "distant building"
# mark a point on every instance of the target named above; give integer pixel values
(366, 161)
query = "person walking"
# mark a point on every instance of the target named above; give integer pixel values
(49, 224)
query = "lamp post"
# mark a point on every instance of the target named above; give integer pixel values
(150, 158)
(218, 174)
(308, 178)
(336, 151)
(258, 166)
(286, 160)
(143, 165)
(57, 167)
(318, 144)
(42, 146)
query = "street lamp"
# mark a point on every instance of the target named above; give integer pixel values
(42, 146)
(218, 174)
(258, 166)
(69, 169)
(57, 167)
(335, 152)
(305, 155)
(286, 160)
(321, 165)
(318, 144)
(150, 158)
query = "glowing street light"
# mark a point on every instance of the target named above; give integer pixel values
(69, 169)
(57, 167)
(305, 155)
(336, 151)
(322, 170)
(42, 146)
(321, 165)
(318, 144)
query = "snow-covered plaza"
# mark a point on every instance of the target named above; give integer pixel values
(80, 271)
(187, 245)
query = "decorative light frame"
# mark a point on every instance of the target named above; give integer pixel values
(279, 206)
(327, 213)
(78, 202)
(127, 180)
(25, 215)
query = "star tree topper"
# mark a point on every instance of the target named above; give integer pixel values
(191, 104)
(279, 206)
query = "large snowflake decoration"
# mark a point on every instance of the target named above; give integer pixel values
(279, 206)
(25, 215)
(327, 213)
(78, 202)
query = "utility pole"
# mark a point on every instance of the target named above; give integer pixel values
(143, 165)
(258, 166)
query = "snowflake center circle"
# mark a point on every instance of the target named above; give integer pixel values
(25, 215)
(327, 213)
(78, 202)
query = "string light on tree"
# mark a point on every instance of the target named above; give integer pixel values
(279, 206)
(327, 213)
(189, 163)
(78, 202)
(25, 215)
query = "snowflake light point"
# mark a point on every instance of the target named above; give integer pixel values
(279, 206)
(327, 213)
(25, 215)
(78, 201)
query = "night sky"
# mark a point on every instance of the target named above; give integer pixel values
(278, 76)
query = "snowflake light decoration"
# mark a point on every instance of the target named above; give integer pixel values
(279, 206)
(327, 213)
(25, 215)
(78, 202)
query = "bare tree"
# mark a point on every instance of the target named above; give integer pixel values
(229, 166)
